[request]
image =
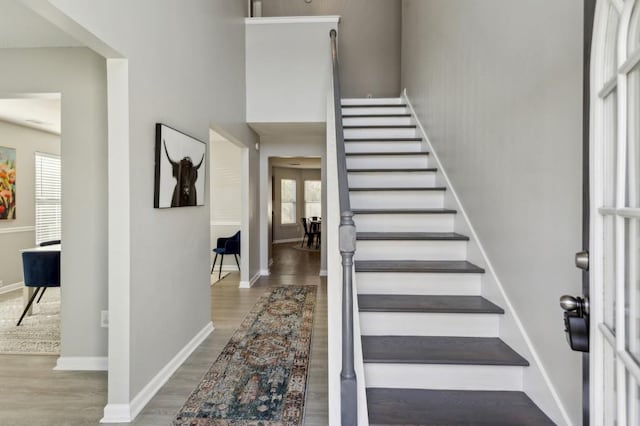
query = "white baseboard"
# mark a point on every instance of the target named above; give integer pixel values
(126, 413)
(288, 240)
(265, 272)
(82, 363)
(251, 282)
(11, 287)
(323, 272)
(226, 268)
(271, 261)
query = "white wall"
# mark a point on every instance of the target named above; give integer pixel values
(184, 67)
(369, 41)
(19, 234)
(288, 69)
(80, 76)
(498, 86)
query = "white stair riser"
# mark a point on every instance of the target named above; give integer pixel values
(388, 161)
(418, 283)
(404, 222)
(375, 110)
(411, 250)
(387, 146)
(391, 179)
(428, 324)
(371, 101)
(379, 133)
(397, 199)
(376, 121)
(441, 376)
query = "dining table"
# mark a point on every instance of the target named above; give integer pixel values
(27, 292)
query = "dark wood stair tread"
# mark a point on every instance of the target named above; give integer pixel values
(380, 126)
(389, 139)
(427, 304)
(453, 407)
(375, 106)
(411, 236)
(394, 153)
(428, 169)
(374, 115)
(427, 266)
(404, 211)
(439, 350)
(401, 188)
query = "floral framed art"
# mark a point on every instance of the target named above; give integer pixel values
(7, 183)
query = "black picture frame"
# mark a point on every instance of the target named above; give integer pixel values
(180, 169)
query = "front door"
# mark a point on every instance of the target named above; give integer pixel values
(614, 170)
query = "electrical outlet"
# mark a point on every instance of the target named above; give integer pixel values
(104, 319)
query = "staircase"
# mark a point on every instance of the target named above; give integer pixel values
(430, 340)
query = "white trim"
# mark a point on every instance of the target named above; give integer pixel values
(264, 273)
(251, 282)
(225, 268)
(125, 413)
(11, 287)
(331, 19)
(82, 363)
(271, 261)
(491, 271)
(609, 87)
(17, 229)
(288, 240)
(225, 223)
(323, 272)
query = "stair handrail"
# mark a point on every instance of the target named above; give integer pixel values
(347, 245)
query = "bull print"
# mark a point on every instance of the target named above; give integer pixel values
(186, 174)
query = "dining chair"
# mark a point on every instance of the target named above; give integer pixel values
(40, 270)
(227, 245)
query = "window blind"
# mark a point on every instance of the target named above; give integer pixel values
(48, 198)
(312, 198)
(287, 201)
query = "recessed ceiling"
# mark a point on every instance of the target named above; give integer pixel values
(40, 112)
(20, 27)
(296, 162)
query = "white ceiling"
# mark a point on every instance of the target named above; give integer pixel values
(296, 162)
(20, 27)
(40, 112)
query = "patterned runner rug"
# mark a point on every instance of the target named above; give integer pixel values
(260, 378)
(39, 333)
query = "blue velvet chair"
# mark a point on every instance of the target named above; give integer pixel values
(41, 269)
(229, 245)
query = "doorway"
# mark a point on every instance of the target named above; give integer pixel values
(615, 214)
(296, 215)
(229, 201)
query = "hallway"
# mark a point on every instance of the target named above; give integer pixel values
(229, 306)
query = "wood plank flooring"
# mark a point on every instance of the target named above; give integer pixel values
(32, 393)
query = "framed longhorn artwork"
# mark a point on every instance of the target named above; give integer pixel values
(181, 167)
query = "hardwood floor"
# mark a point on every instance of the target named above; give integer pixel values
(31, 393)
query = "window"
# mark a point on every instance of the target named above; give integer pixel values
(48, 198)
(287, 201)
(312, 198)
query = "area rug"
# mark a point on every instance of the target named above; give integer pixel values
(260, 378)
(39, 333)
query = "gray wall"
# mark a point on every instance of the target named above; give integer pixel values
(13, 238)
(80, 76)
(369, 41)
(498, 86)
(287, 232)
(186, 69)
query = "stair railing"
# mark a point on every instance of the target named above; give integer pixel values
(347, 245)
